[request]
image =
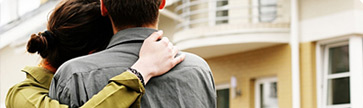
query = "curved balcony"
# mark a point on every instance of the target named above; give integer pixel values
(218, 27)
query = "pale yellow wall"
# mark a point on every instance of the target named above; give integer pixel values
(43, 1)
(247, 66)
(325, 19)
(316, 8)
(167, 25)
(358, 5)
(283, 11)
(202, 15)
(12, 60)
(308, 75)
(240, 14)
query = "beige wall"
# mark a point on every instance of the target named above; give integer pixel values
(247, 66)
(308, 75)
(43, 1)
(325, 19)
(240, 14)
(316, 8)
(12, 60)
(167, 25)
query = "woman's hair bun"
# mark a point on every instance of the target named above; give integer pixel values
(37, 43)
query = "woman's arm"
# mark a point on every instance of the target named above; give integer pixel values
(32, 94)
(123, 91)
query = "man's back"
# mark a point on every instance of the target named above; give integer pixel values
(189, 84)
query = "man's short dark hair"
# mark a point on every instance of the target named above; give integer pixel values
(133, 12)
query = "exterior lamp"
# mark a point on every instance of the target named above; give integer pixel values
(234, 90)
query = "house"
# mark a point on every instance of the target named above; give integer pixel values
(277, 53)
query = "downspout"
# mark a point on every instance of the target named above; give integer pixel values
(295, 62)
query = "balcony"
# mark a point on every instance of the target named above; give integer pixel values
(219, 27)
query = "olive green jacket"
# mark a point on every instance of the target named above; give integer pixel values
(124, 90)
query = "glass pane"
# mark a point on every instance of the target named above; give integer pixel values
(339, 59)
(25, 6)
(268, 95)
(268, 2)
(222, 13)
(222, 3)
(267, 10)
(223, 98)
(338, 91)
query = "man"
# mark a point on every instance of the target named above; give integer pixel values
(190, 84)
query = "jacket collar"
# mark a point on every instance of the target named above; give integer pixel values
(40, 74)
(130, 34)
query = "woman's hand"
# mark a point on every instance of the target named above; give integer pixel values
(156, 57)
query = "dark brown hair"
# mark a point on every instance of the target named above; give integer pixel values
(75, 28)
(135, 13)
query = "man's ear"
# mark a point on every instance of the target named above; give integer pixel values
(162, 4)
(104, 11)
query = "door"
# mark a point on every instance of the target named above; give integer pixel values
(266, 93)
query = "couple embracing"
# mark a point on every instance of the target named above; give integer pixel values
(108, 53)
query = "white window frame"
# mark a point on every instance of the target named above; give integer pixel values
(256, 12)
(257, 88)
(326, 77)
(213, 11)
(225, 86)
(355, 68)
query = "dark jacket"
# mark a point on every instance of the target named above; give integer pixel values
(190, 84)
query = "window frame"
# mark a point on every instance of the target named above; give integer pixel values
(213, 9)
(355, 70)
(326, 77)
(257, 88)
(256, 12)
(222, 87)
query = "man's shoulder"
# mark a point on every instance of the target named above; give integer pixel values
(193, 65)
(193, 61)
(190, 84)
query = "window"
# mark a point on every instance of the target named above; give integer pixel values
(11, 10)
(218, 12)
(223, 98)
(266, 93)
(265, 10)
(222, 12)
(340, 72)
(27, 6)
(336, 75)
(223, 95)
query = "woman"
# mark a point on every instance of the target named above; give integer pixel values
(76, 28)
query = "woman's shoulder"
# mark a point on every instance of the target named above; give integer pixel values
(21, 93)
(29, 85)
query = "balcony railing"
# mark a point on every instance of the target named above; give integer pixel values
(206, 13)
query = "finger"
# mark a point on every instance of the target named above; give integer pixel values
(175, 51)
(170, 45)
(178, 59)
(164, 40)
(156, 36)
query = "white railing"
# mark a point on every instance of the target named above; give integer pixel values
(202, 13)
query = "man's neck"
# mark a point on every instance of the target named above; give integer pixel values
(115, 30)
